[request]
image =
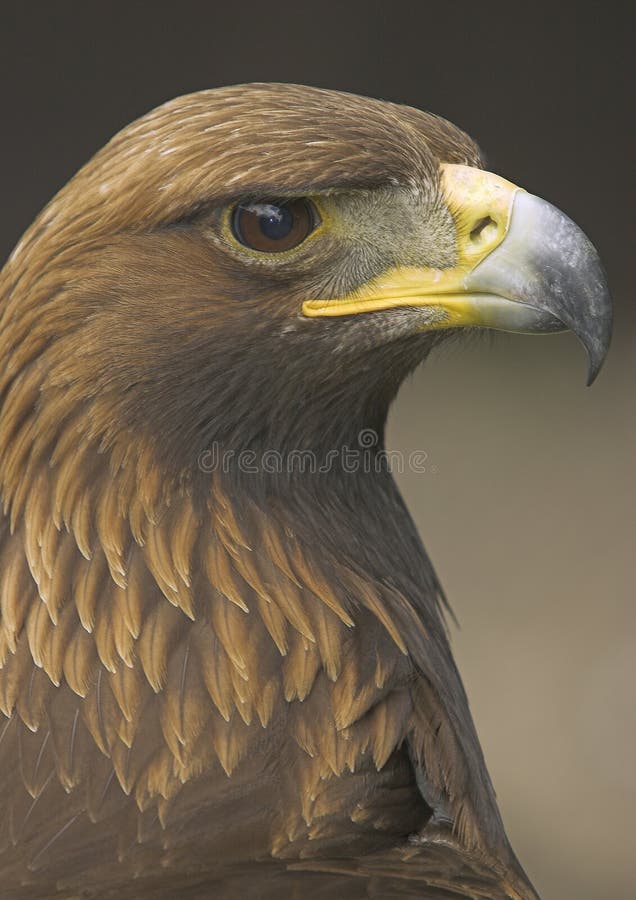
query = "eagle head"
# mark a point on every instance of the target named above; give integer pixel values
(262, 265)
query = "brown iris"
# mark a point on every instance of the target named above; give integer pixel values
(273, 226)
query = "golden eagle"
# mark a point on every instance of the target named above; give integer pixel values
(224, 668)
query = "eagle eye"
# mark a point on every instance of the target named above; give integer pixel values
(273, 226)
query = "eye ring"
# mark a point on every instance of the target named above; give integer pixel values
(274, 226)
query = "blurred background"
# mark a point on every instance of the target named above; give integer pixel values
(527, 505)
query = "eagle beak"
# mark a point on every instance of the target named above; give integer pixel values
(521, 265)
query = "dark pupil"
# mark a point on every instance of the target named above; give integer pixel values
(275, 222)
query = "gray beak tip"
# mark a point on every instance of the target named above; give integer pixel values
(597, 350)
(553, 272)
(592, 371)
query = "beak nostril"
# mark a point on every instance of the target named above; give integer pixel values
(484, 231)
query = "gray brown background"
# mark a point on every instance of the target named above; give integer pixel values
(527, 504)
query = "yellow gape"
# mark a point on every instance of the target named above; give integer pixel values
(481, 206)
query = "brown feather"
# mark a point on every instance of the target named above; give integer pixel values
(213, 684)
